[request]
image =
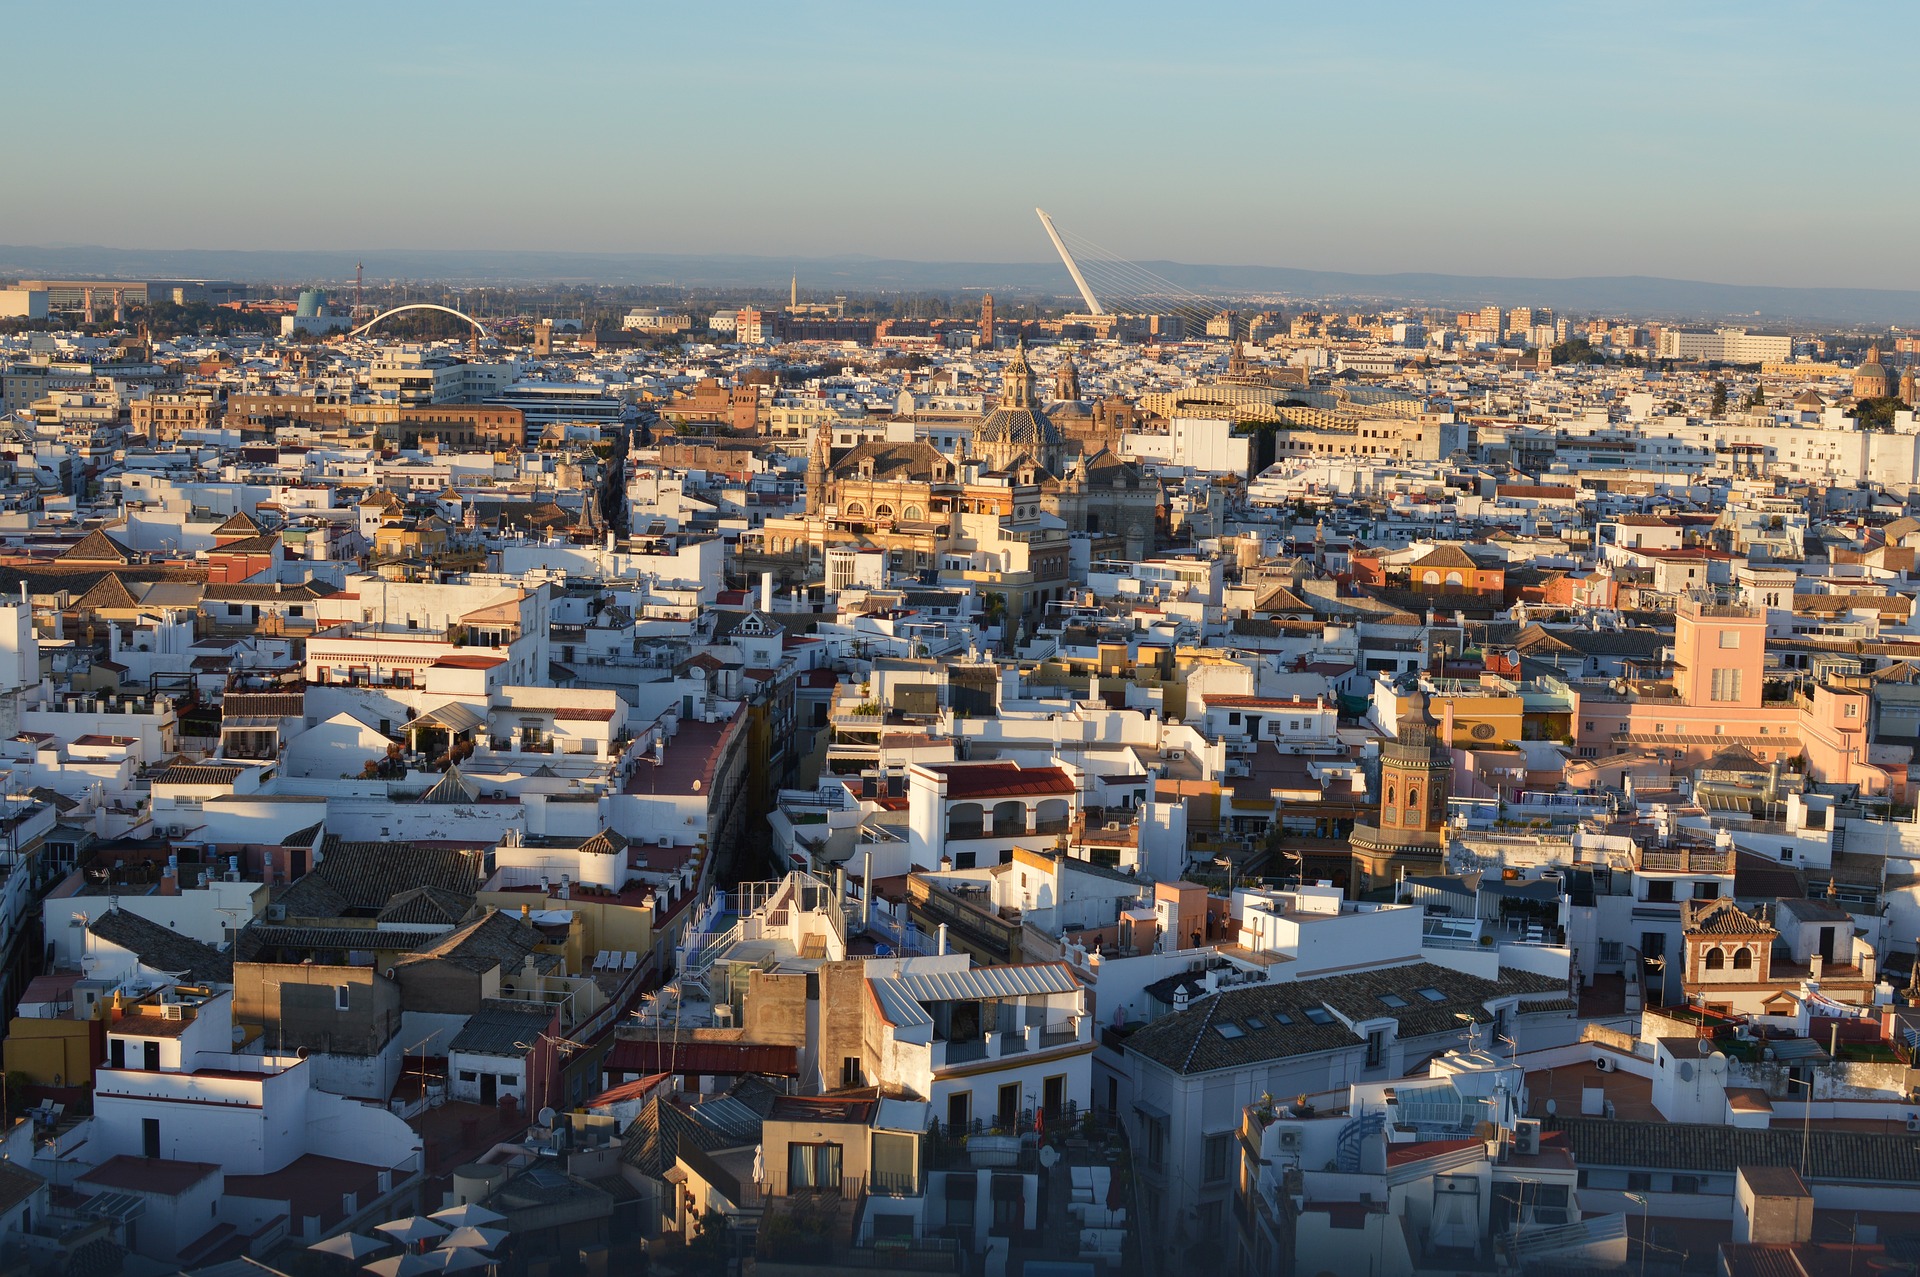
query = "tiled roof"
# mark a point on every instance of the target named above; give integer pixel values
(1189, 1042)
(184, 775)
(108, 592)
(97, 547)
(498, 939)
(430, 905)
(1722, 917)
(163, 948)
(367, 875)
(499, 1026)
(250, 545)
(1683, 1146)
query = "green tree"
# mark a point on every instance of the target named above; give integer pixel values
(1758, 399)
(1719, 398)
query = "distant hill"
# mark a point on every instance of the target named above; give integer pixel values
(1640, 295)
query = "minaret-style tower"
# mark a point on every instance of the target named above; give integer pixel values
(819, 462)
(1066, 380)
(986, 322)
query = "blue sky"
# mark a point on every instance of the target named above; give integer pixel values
(1747, 143)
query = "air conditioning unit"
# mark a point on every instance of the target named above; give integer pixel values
(1913, 1121)
(172, 1011)
(276, 913)
(1290, 1139)
(1526, 1137)
(1604, 1063)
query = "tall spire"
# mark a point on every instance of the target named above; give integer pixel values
(793, 294)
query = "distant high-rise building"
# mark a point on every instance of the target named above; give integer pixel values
(1520, 319)
(1490, 320)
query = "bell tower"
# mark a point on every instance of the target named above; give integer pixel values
(985, 341)
(1066, 380)
(1016, 390)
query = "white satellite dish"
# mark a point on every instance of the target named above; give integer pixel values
(546, 1117)
(1048, 1156)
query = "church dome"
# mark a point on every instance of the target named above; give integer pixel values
(1018, 426)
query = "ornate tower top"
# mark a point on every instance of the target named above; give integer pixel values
(1017, 386)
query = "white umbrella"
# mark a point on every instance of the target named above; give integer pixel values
(407, 1264)
(474, 1238)
(456, 1261)
(414, 1228)
(352, 1245)
(469, 1215)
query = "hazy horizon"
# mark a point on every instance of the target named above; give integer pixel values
(1520, 141)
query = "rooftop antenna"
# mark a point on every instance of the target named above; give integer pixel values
(1073, 267)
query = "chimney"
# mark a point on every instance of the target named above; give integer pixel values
(766, 592)
(940, 943)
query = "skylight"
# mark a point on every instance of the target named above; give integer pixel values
(1432, 994)
(1393, 999)
(1229, 1029)
(1255, 1022)
(1320, 1015)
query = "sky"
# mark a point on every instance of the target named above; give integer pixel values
(1751, 143)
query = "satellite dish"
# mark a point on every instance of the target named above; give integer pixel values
(1705, 1046)
(1686, 1071)
(1048, 1156)
(546, 1117)
(1553, 1107)
(1716, 1063)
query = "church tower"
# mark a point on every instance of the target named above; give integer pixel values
(1066, 380)
(1416, 775)
(1016, 388)
(819, 462)
(985, 341)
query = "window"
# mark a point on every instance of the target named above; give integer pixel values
(1686, 1183)
(1216, 1153)
(1850, 710)
(1786, 853)
(1393, 1000)
(1229, 1030)
(1431, 994)
(1660, 891)
(1729, 638)
(341, 994)
(1725, 685)
(1716, 960)
(850, 1074)
(1639, 1182)
(1743, 959)
(1009, 1110)
(1319, 1015)
(1706, 891)
(813, 1168)
(1609, 951)
(1376, 1048)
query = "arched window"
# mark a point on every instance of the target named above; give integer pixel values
(1389, 795)
(1716, 960)
(1431, 578)
(883, 511)
(1454, 578)
(915, 514)
(855, 509)
(1743, 959)
(1413, 803)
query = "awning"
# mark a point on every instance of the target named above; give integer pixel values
(453, 716)
(1151, 1112)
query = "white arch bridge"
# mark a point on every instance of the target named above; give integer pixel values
(478, 327)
